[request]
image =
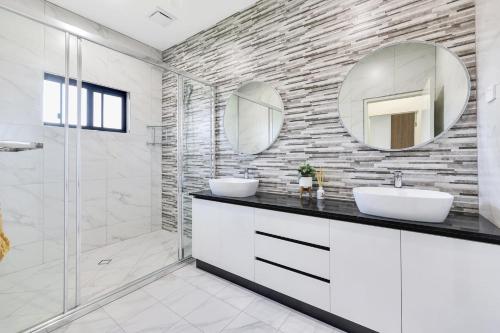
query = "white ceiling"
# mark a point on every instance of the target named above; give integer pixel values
(131, 17)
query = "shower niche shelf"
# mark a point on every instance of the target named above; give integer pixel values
(155, 134)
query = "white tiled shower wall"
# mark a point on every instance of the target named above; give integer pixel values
(488, 57)
(121, 186)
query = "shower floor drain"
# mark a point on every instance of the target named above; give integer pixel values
(104, 261)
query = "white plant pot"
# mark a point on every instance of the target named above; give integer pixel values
(305, 182)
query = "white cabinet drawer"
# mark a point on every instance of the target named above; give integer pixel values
(304, 258)
(299, 227)
(295, 285)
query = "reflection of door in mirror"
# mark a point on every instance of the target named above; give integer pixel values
(407, 77)
(399, 121)
(402, 130)
(439, 113)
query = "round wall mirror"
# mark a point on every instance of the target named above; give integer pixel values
(253, 117)
(404, 95)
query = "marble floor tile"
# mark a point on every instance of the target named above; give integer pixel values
(157, 318)
(299, 323)
(245, 323)
(97, 321)
(125, 307)
(208, 282)
(34, 294)
(174, 305)
(166, 286)
(131, 259)
(212, 316)
(188, 271)
(18, 324)
(186, 299)
(268, 311)
(183, 326)
(236, 296)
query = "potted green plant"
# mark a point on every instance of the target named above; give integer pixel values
(306, 172)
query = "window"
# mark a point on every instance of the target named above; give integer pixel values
(103, 108)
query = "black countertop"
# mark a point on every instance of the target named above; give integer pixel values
(463, 226)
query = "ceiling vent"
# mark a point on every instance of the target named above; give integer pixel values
(161, 17)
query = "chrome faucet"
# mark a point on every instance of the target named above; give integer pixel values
(398, 179)
(246, 173)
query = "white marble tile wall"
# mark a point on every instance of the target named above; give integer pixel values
(121, 189)
(488, 58)
(21, 190)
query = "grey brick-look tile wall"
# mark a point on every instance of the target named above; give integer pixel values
(169, 152)
(196, 147)
(305, 48)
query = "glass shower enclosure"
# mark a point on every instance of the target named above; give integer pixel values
(99, 151)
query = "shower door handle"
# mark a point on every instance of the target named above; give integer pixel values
(16, 146)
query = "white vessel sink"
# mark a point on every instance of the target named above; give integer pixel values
(403, 203)
(234, 187)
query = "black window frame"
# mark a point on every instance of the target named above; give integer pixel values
(91, 89)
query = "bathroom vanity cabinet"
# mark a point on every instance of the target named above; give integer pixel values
(365, 266)
(449, 285)
(224, 236)
(357, 276)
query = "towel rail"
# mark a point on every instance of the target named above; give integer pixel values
(16, 146)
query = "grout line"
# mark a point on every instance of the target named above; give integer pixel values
(232, 320)
(261, 321)
(187, 314)
(192, 285)
(135, 314)
(191, 324)
(284, 321)
(211, 297)
(113, 319)
(289, 310)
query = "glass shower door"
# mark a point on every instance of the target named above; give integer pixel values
(197, 155)
(32, 174)
(123, 237)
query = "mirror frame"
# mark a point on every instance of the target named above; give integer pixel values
(445, 131)
(281, 125)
